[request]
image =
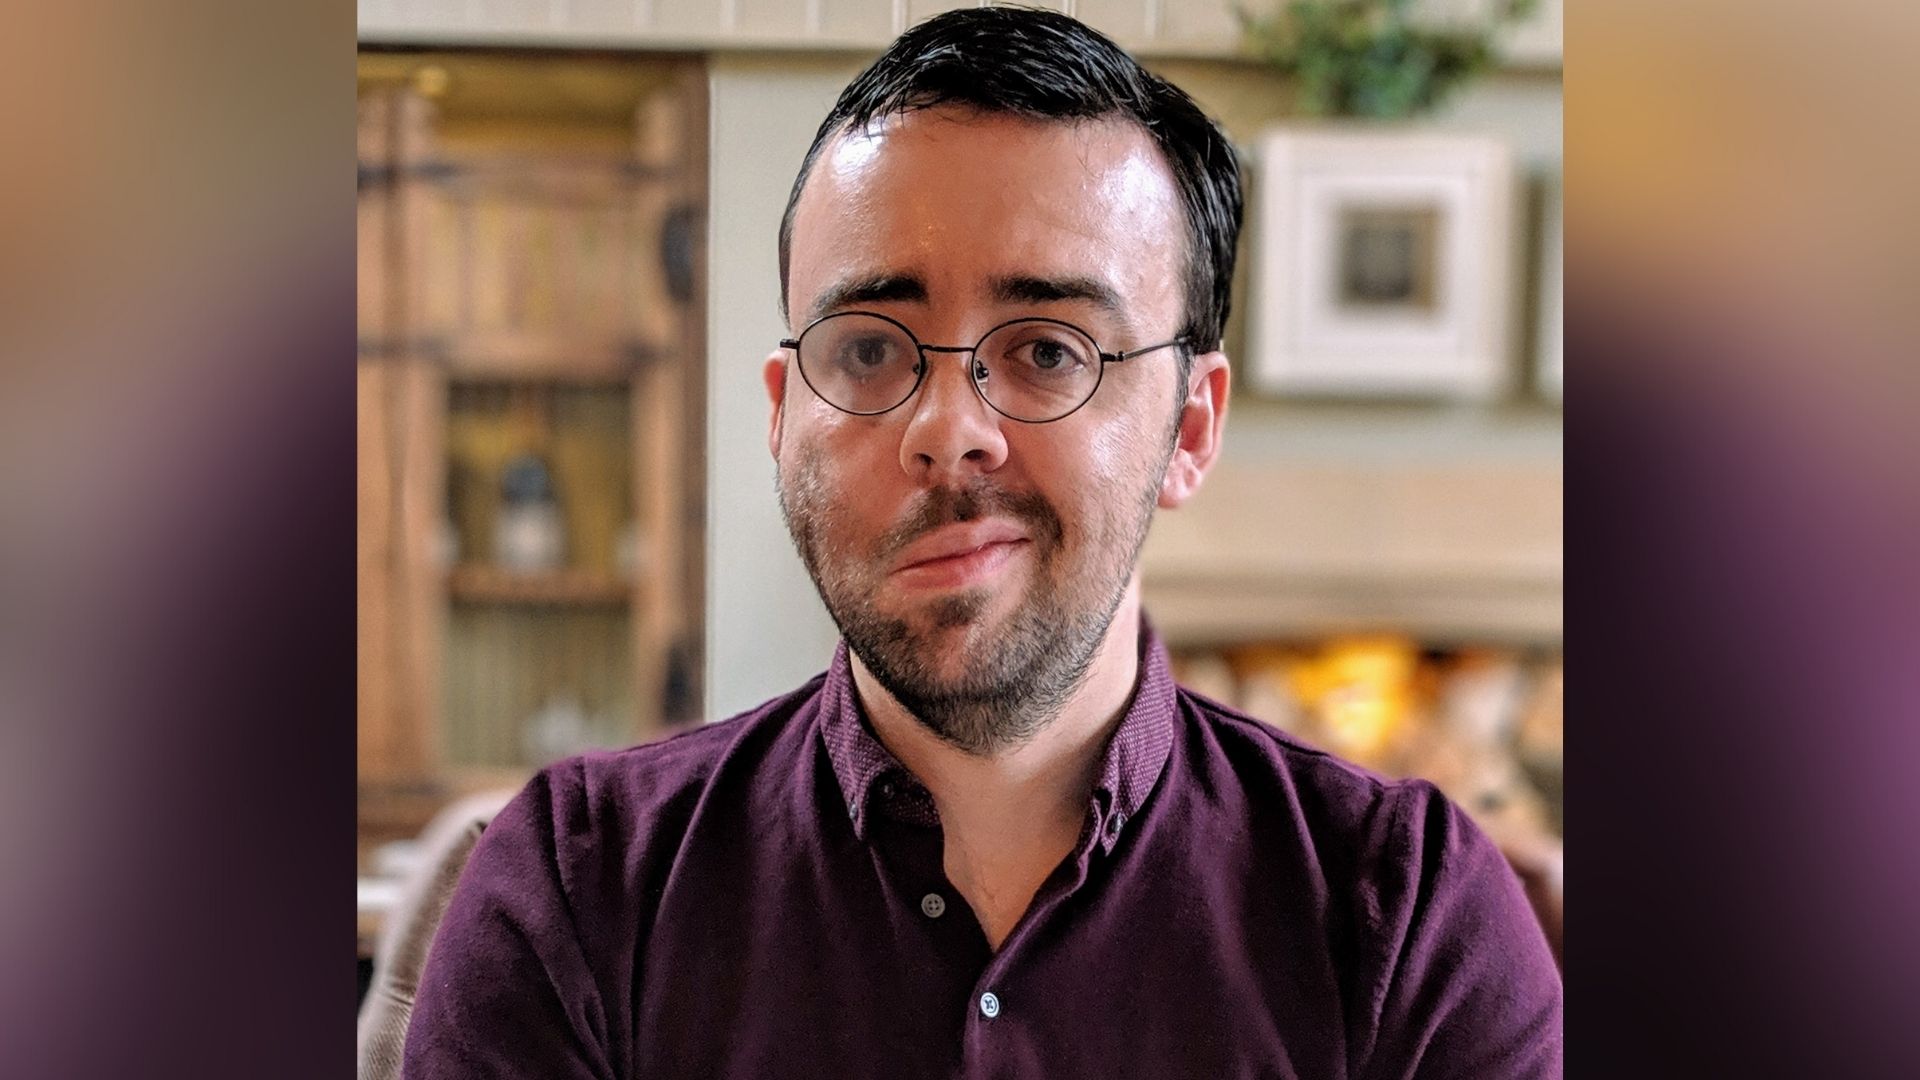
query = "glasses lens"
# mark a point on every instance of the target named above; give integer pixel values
(1037, 370)
(859, 363)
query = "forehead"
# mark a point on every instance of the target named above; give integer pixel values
(959, 198)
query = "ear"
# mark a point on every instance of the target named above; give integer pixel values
(775, 374)
(1203, 419)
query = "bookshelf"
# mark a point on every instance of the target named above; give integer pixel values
(532, 415)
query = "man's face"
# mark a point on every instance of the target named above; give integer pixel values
(974, 562)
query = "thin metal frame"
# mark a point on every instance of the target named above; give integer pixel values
(973, 374)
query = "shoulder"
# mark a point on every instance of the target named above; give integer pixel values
(1269, 764)
(608, 793)
(553, 909)
(1386, 843)
(1441, 954)
(606, 821)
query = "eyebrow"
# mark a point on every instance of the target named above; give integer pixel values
(1024, 289)
(867, 290)
(910, 287)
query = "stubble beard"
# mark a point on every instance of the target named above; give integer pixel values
(1016, 677)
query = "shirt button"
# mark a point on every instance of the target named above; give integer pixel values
(933, 905)
(989, 1005)
(1117, 822)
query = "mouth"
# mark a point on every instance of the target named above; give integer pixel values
(958, 556)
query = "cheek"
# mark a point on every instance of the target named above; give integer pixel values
(1124, 447)
(1092, 475)
(839, 471)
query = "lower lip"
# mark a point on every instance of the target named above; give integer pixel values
(955, 571)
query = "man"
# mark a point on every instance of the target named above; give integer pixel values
(994, 838)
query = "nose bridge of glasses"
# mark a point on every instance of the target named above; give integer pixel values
(971, 370)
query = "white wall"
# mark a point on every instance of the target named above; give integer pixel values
(766, 629)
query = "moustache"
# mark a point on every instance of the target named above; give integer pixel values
(982, 498)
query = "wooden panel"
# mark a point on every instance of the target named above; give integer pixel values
(860, 20)
(658, 145)
(922, 10)
(387, 727)
(1207, 27)
(688, 649)
(766, 18)
(418, 590)
(1125, 21)
(1274, 548)
(418, 445)
(515, 14)
(1271, 518)
(1211, 612)
(616, 16)
(663, 424)
(554, 588)
(413, 15)
(376, 692)
(688, 18)
(374, 213)
(372, 279)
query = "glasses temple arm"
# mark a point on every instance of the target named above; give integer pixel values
(1114, 358)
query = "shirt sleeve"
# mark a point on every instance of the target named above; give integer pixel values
(1465, 985)
(507, 990)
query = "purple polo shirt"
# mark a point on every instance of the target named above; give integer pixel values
(764, 897)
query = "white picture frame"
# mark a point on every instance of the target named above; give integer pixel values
(1550, 354)
(1383, 265)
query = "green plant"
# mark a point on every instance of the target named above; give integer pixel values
(1372, 58)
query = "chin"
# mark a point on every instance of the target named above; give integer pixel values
(960, 612)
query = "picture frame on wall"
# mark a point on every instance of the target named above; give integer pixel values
(1550, 353)
(1383, 265)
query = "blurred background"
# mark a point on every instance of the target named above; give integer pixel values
(567, 532)
(178, 495)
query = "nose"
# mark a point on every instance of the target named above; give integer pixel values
(952, 434)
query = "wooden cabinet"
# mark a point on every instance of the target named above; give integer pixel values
(532, 416)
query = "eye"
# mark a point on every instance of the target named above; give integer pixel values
(868, 352)
(1048, 355)
(1048, 352)
(866, 357)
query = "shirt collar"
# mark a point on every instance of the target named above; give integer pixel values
(872, 780)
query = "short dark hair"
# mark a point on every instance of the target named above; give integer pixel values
(1047, 66)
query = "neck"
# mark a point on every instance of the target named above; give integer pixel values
(1039, 786)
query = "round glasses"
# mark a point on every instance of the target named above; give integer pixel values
(1033, 370)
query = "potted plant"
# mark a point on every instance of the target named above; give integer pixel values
(1376, 59)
